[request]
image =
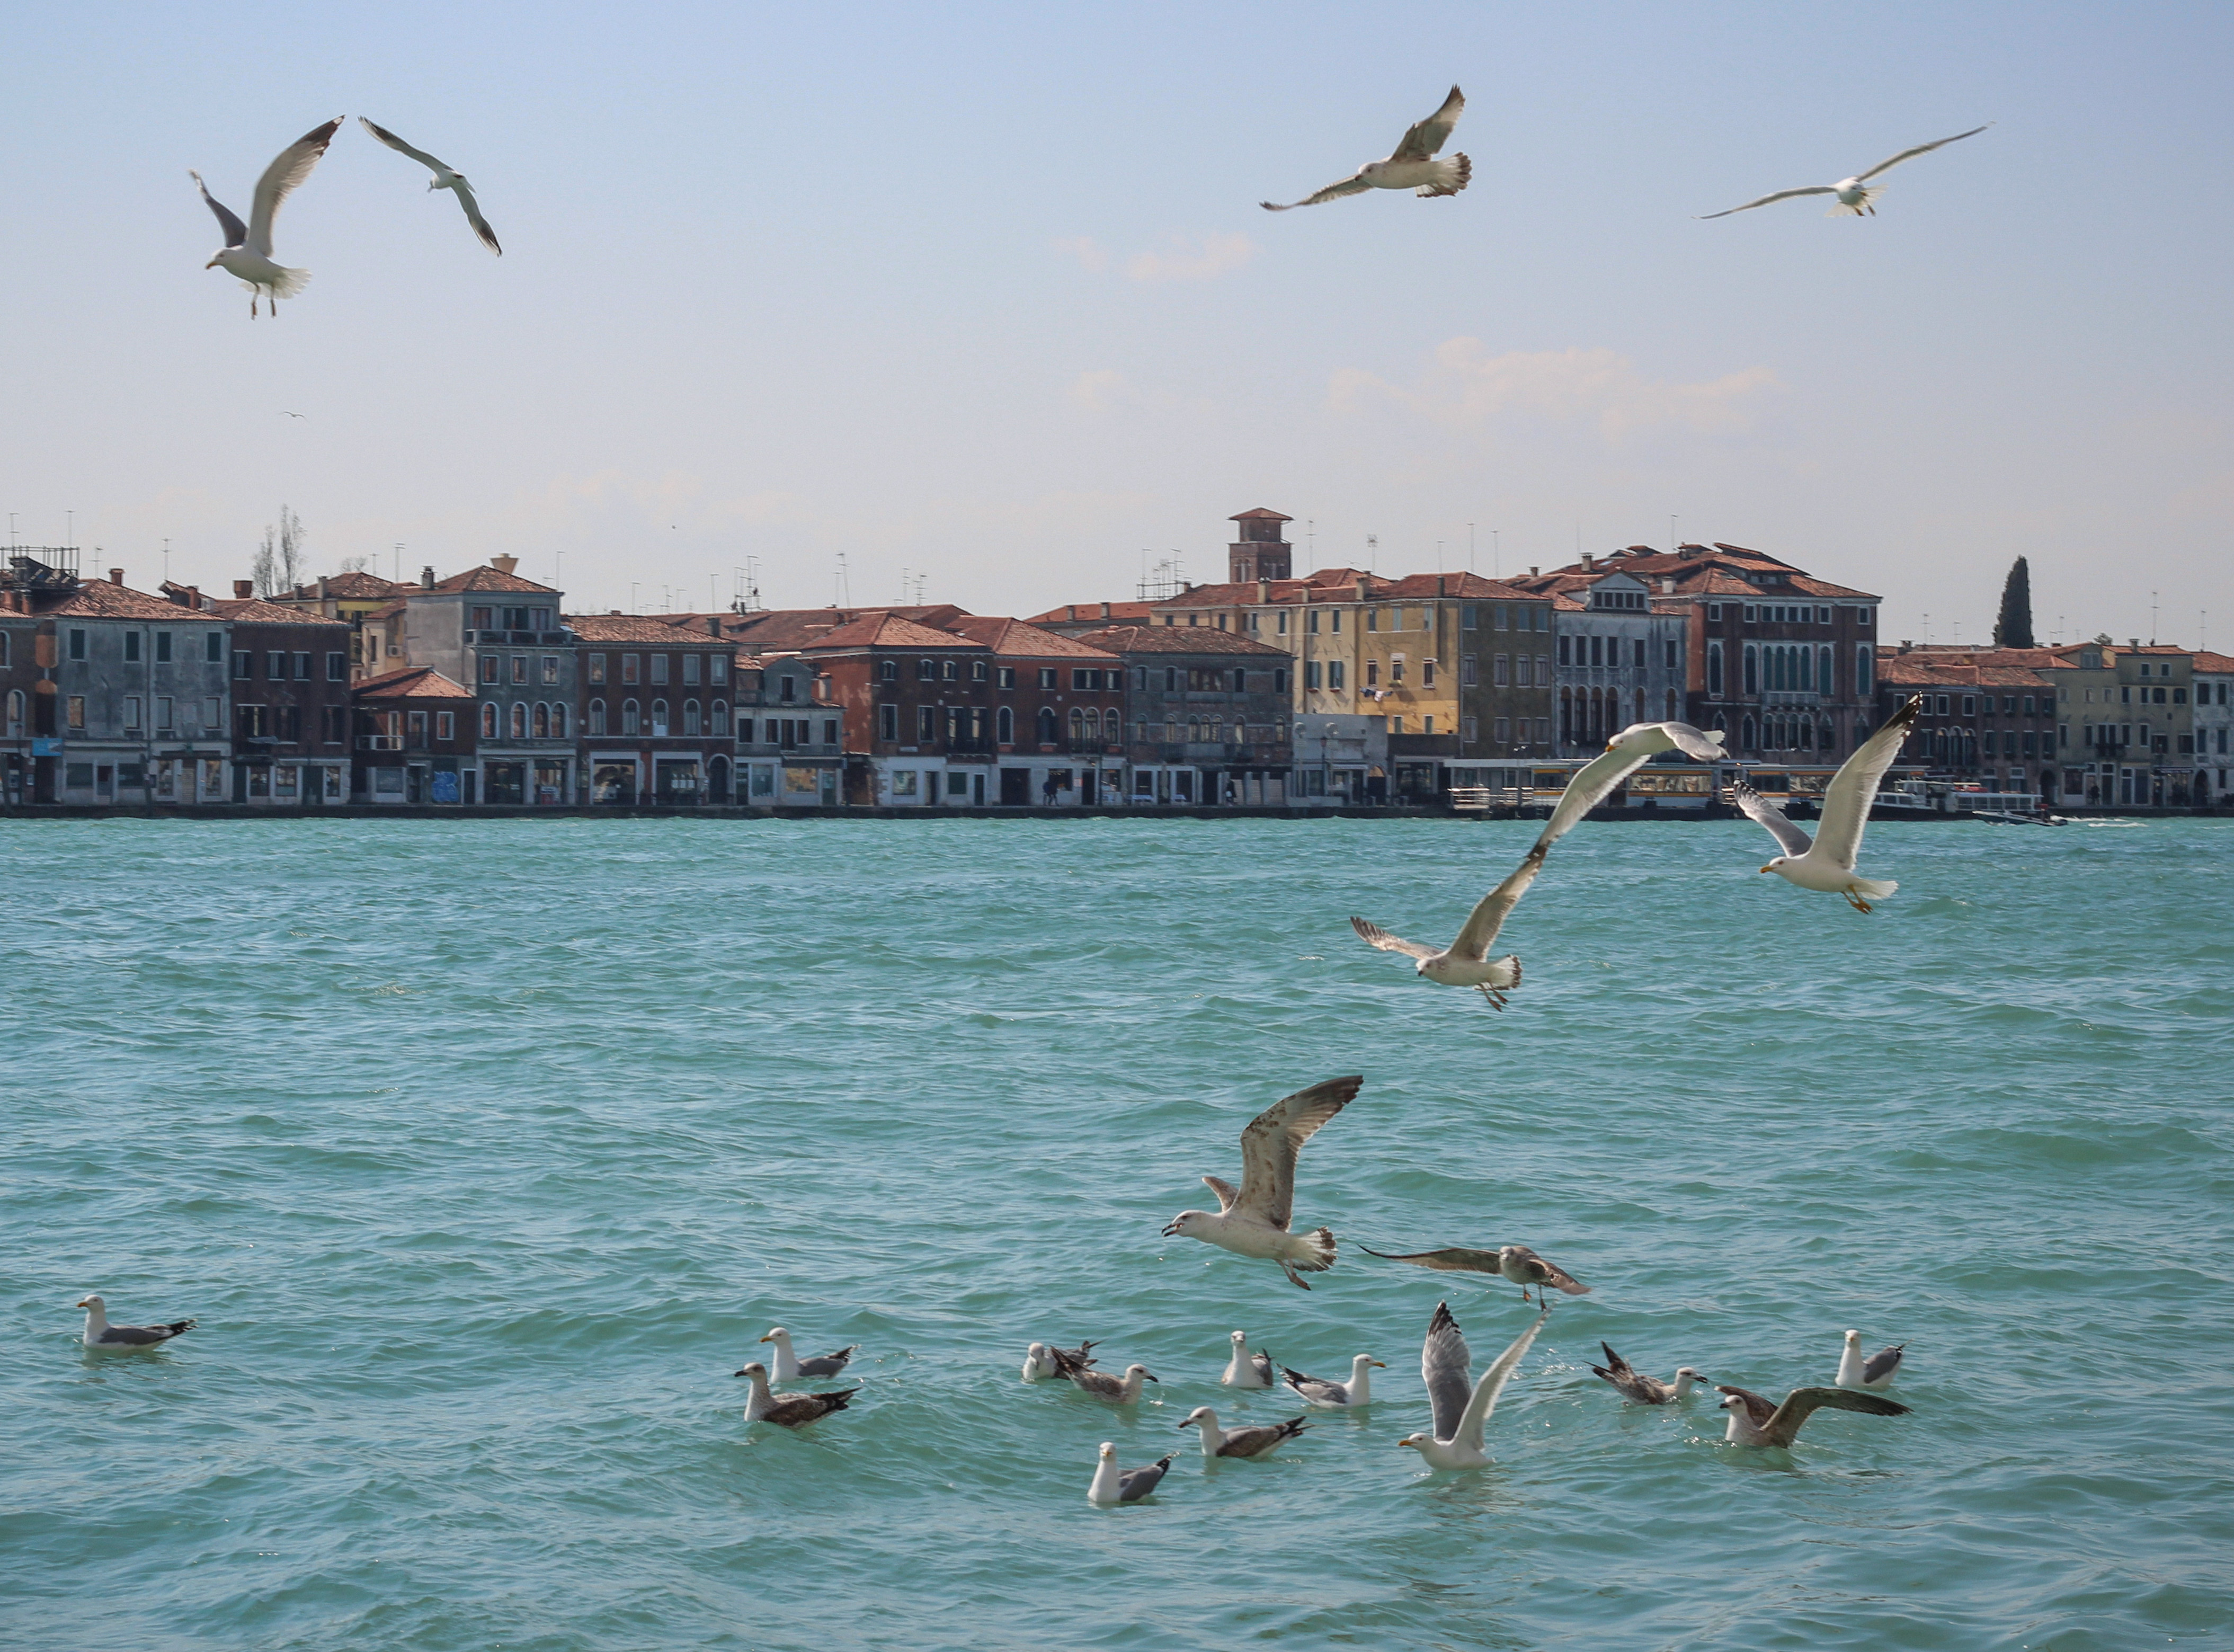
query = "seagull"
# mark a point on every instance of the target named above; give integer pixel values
(1119, 1391)
(287, 414)
(788, 1409)
(247, 249)
(1465, 961)
(1875, 1372)
(1854, 200)
(444, 179)
(1755, 1421)
(1826, 860)
(1412, 166)
(1461, 1406)
(1039, 1363)
(1114, 1484)
(1066, 1362)
(789, 1367)
(1645, 1390)
(99, 1333)
(1358, 1391)
(1514, 1262)
(1244, 1369)
(1253, 1441)
(1252, 1219)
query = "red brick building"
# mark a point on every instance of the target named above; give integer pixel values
(415, 732)
(657, 702)
(918, 708)
(290, 701)
(1058, 715)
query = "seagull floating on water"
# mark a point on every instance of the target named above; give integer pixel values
(1854, 196)
(1465, 961)
(1412, 166)
(1826, 860)
(790, 1410)
(1757, 1421)
(444, 179)
(1114, 1484)
(247, 249)
(1461, 1411)
(1634, 1384)
(1875, 1372)
(1244, 1369)
(1358, 1391)
(1252, 1219)
(1041, 1361)
(1252, 1441)
(99, 1333)
(789, 1367)
(1514, 1262)
(1119, 1391)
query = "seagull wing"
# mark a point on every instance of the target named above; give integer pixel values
(401, 147)
(1273, 1139)
(1355, 184)
(1803, 1403)
(1910, 154)
(1883, 1363)
(1134, 1484)
(1453, 1260)
(1706, 745)
(1374, 936)
(1781, 195)
(1847, 801)
(291, 167)
(1789, 837)
(465, 195)
(1482, 924)
(1484, 1401)
(1228, 1194)
(1445, 1366)
(1759, 1408)
(1261, 1363)
(1428, 136)
(236, 232)
(1318, 1390)
(1543, 1271)
(1595, 780)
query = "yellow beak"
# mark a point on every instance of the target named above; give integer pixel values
(1768, 869)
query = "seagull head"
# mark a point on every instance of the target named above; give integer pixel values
(1733, 1403)
(1687, 1371)
(1416, 1442)
(1198, 1417)
(1186, 1224)
(755, 1369)
(1779, 861)
(1853, 1339)
(1108, 1451)
(91, 1301)
(1366, 1362)
(1143, 1373)
(779, 1334)
(1239, 1339)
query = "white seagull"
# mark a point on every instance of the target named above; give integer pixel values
(789, 1367)
(1875, 1372)
(444, 179)
(1755, 1420)
(1244, 1369)
(1855, 198)
(1114, 1484)
(1412, 166)
(1465, 961)
(1252, 1219)
(1358, 1391)
(1461, 1413)
(1253, 1441)
(1514, 1262)
(1041, 1362)
(247, 249)
(788, 1410)
(1826, 860)
(99, 1333)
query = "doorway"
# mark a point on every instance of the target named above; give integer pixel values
(1015, 788)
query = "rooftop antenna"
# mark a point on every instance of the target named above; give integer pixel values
(1927, 630)
(399, 561)
(1672, 540)
(1496, 556)
(69, 527)
(1372, 549)
(166, 562)
(1439, 556)
(558, 565)
(844, 594)
(635, 607)
(12, 530)
(712, 599)
(747, 596)
(2152, 619)
(1311, 539)
(1469, 547)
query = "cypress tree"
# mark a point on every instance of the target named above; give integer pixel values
(2014, 629)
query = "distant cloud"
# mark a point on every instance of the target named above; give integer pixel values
(1090, 253)
(1465, 385)
(1094, 392)
(1185, 260)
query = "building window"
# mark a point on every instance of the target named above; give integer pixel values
(1426, 674)
(631, 669)
(1311, 675)
(1500, 731)
(488, 720)
(77, 642)
(1047, 676)
(244, 665)
(926, 725)
(690, 669)
(632, 718)
(1713, 668)
(1311, 623)
(658, 669)
(1005, 727)
(888, 722)
(302, 667)
(1396, 671)
(659, 723)
(550, 673)
(949, 670)
(1499, 674)
(131, 710)
(1373, 674)
(1469, 730)
(1279, 679)
(131, 648)
(1336, 671)
(558, 720)
(1005, 677)
(720, 717)
(597, 717)
(1865, 670)
(519, 669)
(446, 725)
(691, 723)
(1752, 672)
(1373, 619)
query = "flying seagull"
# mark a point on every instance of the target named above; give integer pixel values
(1756, 1421)
(1875, 1372)
(99, 1333)
(789, 1410)
(444, 179)
(1634, 1384)
(1358, 1391)
(1465, 961)
(1514, 1262)
(1854, 197)
(1114, 1484)
(1412, 166)
(1244, 1369)
(1826, 860)
(1252, 1219)
(1252, 1441)
(247, 249)
(789, 1367)
(1461, 1406)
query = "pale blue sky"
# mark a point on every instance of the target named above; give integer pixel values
(983, 291)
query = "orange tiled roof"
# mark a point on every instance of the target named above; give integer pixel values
(484, 578)
(1260, 514)
(1176, 639)
(1340, 584)
(2214, 664)
(1922, 670)
(636, 628)
(1090, 613)
(419, 682)
(1018, 639)
(104, 599)
(357, 583)
(881, 630)
(254, 611)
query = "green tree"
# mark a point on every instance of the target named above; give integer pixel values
(2014, 628)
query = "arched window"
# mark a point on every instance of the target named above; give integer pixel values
(559, 719)
(488, 721)
(1827, 738)
(520, 720)
(659, 716)
(1745, 734)
(542, 721)
(597, 717)
(1004, 726)
(1078, 729)
(690, 718)
(1669, 714)
(631, 718)
(721, 710)
(1566, 713)
(15, 710)
(1046, 725)
(1140, 730)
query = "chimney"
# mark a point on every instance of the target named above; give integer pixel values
(1668, 585)
(1263, 591)
(1361, 587)
(427, 577)
(504, 564)
(195, 598)
(242, 589)
(1533, 570)
(1071, 609)
(1586, 562)
(1105, 610)
(714, 626)
(116, 576)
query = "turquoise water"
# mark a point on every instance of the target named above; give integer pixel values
(483, 1151)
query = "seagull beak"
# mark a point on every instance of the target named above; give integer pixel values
(1380, 1365)
(1150, 1376)
(765, 1339)
(1170, 1228)
(83, 1302)
(736, 1374)
(212, 265)
(1768, 869)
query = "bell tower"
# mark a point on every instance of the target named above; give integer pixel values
(1259, 552)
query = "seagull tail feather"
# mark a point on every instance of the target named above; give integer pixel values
(1874, 888)
(1860, 208)
(1453, 173)
(1323, 1252)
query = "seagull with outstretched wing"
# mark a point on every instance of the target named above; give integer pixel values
(247, 249)
(1412, 166)
(1514, 1262)
(1826, 860)
(1855, 196)
(1252, 1219)
(1755, 1420)
(445, 178)
(1461, 1407)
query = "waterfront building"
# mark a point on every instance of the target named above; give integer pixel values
(791, 740)
(1058, 715)
(1205, 714)
(2213, 684)
(1982, 718)
(1616, 658)
(2128, 730)
(414, 732)
(917, 708)
(656, 711)
(348, 597)
(289, 670)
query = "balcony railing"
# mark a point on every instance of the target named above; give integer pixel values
(380, 742)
